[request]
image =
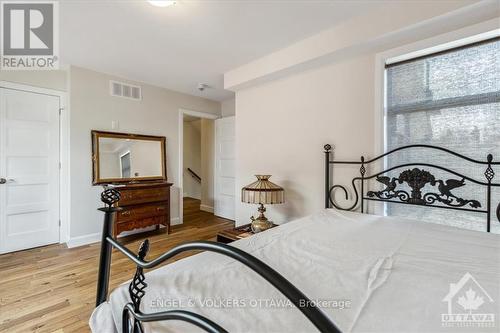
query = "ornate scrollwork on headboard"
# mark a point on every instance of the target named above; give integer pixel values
(417, 179)
(420, 186)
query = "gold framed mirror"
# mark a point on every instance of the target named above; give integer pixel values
(127, 158)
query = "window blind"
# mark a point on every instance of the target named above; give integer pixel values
(449, 99)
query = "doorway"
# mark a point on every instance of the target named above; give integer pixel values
(196, 164)
(29, 167)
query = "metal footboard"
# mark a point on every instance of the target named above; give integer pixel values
(132, 317)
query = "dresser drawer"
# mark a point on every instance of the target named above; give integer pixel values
(142, 223)
(142, 205)
(138, 196)
(141, 212)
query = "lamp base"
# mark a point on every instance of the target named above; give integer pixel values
(261, 223)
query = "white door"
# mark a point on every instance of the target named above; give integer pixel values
(29, 170)
(225, 198)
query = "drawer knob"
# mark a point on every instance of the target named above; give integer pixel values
(126, 213)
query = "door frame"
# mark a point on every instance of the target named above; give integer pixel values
(64, 172)
(182, 113)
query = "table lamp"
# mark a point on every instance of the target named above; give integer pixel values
(262, 192)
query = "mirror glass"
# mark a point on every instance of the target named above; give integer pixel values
(123, 158)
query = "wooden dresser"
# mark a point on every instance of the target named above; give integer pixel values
(144, 205)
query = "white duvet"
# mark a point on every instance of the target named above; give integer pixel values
(368, 273)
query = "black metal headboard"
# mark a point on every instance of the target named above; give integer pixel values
(416, 178)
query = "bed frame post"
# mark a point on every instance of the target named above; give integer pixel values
(109, 197)
(489, 174)
(327, 148)
(362, 171)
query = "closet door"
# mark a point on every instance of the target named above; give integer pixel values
(29, 170)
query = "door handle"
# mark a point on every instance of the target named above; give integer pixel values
(5, 181)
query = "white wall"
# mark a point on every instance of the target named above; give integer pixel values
(207, 164)
(228, 107)
(56, 79)
(93, 108)
(109, 165)
(145, 158)
(192, 158)
(295, 117)
(283, 121)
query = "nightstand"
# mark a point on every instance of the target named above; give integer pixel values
(233, 234)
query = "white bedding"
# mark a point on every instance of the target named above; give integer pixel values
(394, 274)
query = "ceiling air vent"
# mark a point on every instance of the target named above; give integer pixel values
(125, 90)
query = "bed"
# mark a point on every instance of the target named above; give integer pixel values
(334, 271)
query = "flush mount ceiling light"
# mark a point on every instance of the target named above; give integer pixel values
(162, 3)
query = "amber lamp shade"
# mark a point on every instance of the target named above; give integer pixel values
(262, 192)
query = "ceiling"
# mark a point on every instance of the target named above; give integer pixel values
(191, 42)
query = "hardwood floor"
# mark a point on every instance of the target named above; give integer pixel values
(52, 288)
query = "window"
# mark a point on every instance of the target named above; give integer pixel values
(449, 99)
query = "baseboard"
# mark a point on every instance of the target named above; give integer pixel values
(206, 208)
(94, 238)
